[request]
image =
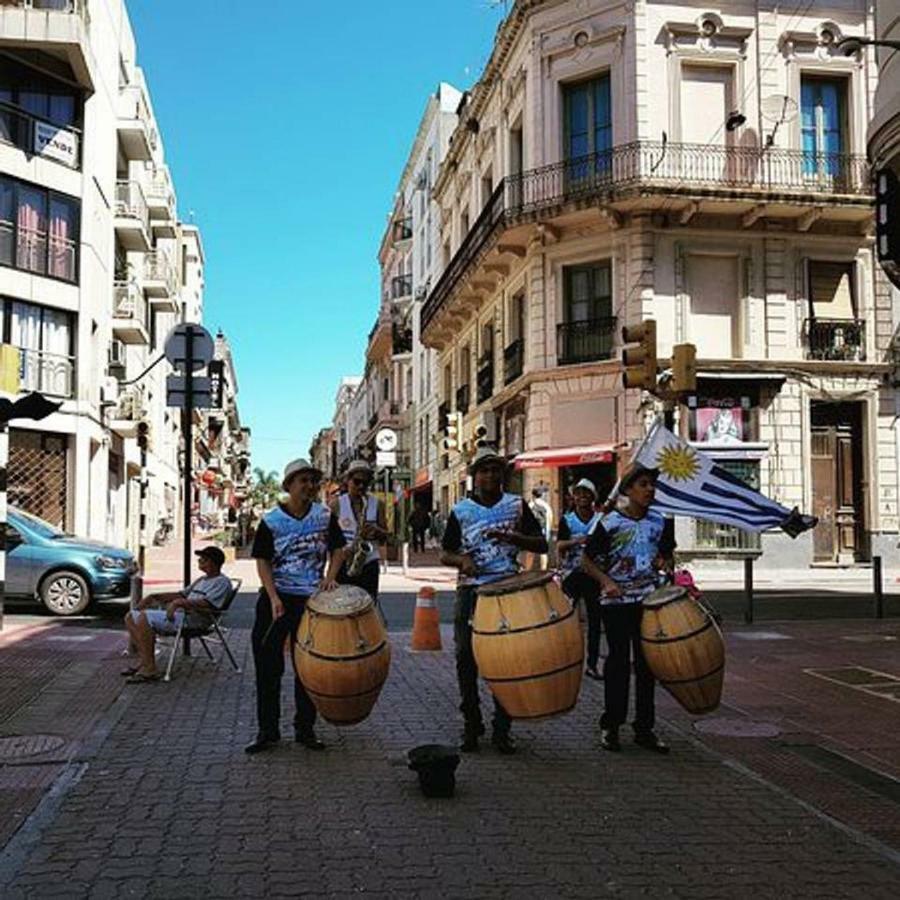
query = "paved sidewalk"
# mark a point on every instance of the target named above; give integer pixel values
(167, 805)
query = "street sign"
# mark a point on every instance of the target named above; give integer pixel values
(176, 392)
(386, 459)
(202, 348)
(386, 439)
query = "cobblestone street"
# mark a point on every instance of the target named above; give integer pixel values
(162, 802)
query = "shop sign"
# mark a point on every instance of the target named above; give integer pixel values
(56, 143)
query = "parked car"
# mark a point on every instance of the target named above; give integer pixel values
(66, 573)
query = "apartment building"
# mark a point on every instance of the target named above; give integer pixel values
(95, 268)
(704, 168)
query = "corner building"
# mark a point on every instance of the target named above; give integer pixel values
(598, 177)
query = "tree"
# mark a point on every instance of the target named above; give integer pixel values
(265, 490)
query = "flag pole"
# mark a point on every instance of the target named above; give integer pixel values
(651, 432)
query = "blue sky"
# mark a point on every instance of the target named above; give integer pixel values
(286, 126)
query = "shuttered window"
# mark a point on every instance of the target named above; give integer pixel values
(831, 290)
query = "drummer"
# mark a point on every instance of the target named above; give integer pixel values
(482, 539)
(290, 550)
(575, 528)
(625, 555)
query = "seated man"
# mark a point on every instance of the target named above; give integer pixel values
(163, 613)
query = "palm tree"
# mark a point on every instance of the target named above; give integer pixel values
(266, 488)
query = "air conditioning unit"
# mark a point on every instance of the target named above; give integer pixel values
(116, 357)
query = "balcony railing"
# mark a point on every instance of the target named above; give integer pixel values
(485, 377)
(50, 373)
(654, 167)
(401, 287)
(130, 203)
(513, 361)
(835, 339)
(403, 230)
(462, 399)
(77, 7)
(129, 302)
(38, 136)
(134, 107)
(160, 193)
(158, 267)
(586, 341)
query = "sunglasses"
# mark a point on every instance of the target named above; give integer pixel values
(362, 482)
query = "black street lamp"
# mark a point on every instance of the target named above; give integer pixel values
(850, 46)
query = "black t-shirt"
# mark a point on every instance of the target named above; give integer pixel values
(452, 540)
(264, 542)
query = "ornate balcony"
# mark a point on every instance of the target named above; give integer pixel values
(734, 180)
(586, 341)
(842, 340)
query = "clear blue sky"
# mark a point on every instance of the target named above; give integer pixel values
(286, 126)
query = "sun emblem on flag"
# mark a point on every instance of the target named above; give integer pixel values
(678, 463)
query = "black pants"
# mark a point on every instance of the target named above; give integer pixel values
(623, 636)
(418, 539)
(579, 586)
(268, 658)
(367, 578)
(467, 670)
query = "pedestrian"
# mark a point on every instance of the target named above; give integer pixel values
(482, 539)
(625, 555)
(544, 516)
(363, 521)
(419, 521)
(291, 546)
(575, 528)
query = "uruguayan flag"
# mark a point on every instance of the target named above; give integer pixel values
(691, 484)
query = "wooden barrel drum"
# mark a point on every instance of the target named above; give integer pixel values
(528, 645)
(683, 648)
(342, 654)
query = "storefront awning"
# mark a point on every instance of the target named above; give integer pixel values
(565, 456)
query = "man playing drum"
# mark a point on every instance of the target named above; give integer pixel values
(624, 555)
(483, 537)
(575, 527)
(290, 549)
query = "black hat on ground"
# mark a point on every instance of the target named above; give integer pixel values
(213, 554)
(435, 765)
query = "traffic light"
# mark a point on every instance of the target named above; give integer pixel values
(639, 363)
(887, 222)
(684, 369)
(143, 435)
(453, 431)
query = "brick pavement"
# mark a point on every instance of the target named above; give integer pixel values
(168, 806)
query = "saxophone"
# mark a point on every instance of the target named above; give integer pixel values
(360, 551)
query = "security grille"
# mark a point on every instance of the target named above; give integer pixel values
(37, 474)
(727, 538)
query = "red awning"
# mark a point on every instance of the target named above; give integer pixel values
(565, 456)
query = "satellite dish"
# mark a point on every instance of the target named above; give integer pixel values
(778, 108)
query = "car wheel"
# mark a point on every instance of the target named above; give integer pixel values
(65, 594)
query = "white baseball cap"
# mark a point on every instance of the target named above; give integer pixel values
(296, 466)
(587, 484)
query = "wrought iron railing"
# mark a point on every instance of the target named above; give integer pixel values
(653, 166)
(401, 287)
(49, 373)
(131, 204)
(462, 399)
(39, 136)
(513, 361)
(485, 378)
(586, 341)
(837, 339)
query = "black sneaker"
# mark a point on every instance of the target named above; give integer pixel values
(649, 741)
(609, 739)
(504, 743)
(307, 737)
(262, 743)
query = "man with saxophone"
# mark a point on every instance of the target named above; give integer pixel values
(363, 522)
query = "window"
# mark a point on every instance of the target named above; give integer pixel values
(831, 290)
(725, 538)
(587, 108)
(823, 112)
(45, 339)
(38, 230)
(588, 292)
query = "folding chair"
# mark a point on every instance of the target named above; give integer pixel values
(214, 632)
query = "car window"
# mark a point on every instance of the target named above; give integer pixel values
(13, 535)
(39, 526)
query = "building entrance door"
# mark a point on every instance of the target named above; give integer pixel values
(837, 482)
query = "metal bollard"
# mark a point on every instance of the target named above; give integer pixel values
(748, 590)
(878, 587)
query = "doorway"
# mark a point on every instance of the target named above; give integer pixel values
(838, 485)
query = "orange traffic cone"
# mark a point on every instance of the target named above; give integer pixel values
(426, 633)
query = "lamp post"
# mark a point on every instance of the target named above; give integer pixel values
(851, 45)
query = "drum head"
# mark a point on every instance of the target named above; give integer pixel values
(515, 583)
(668, 594)
(345, 600)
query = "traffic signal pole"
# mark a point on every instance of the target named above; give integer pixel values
(188, 448)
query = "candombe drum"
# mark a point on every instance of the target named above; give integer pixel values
(342, 654)
(683, 648)
(528, 646)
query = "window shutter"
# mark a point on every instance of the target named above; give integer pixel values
(831, 290)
